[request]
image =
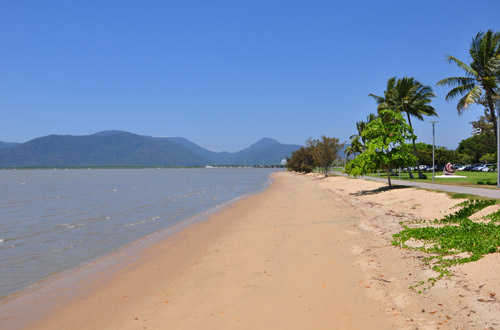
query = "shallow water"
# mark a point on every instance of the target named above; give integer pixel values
(52, 220)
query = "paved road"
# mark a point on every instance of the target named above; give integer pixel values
(491, 193)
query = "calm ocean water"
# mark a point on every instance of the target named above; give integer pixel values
(52, 220)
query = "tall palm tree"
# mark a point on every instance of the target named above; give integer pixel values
(355, 147)
(481, 81)
(407, 95)
(358, 140)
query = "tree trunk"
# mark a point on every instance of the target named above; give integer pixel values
(493, 117)
(417, 163)
(389, 176)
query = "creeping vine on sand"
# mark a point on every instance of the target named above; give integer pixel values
(454, 239)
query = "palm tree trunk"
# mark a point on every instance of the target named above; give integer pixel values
(493, 116)
(417, 163)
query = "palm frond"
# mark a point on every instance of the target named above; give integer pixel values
(459, 91)
(378, 99)
(471, 97)
(456, 81)
(468, 70)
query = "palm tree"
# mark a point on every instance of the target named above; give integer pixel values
(407, 96)
(358, 140)
(355, 147)
(480, 83)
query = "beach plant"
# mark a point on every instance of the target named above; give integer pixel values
(385, 147)
(454, 239)
(481, 81)
(407, 95)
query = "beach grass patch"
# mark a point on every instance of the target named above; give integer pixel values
(453, 239)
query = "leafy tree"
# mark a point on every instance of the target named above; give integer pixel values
(301, 161)
(477, 146)
(324, 151)
(386, 145)
(480, 83)
(406, 95)
(424, 153)
(488, 158)
(442, 155)
(483, 124)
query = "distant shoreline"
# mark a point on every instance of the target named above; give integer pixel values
(136, 167)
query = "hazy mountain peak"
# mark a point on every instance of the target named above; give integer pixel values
(266, 140)
(109, 132)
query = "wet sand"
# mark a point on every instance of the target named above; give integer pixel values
(307, 253)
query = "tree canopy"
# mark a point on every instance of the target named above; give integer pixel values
(317, 153)
(481, 81)
(324, 151)
(407, 95)
(386, 146)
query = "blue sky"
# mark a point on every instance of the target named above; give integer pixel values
(226, 73)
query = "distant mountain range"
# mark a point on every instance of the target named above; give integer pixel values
(8, 144)
(118, 148)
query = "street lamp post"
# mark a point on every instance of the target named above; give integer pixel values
(433, 144)
(498, 152)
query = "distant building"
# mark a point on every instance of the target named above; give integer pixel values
(476, 131)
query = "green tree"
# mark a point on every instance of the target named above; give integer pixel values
(324, 151)
(480, 83)
(406, 95)
(424, 153)
(442, 155)
(301, 161)
(386, 146)
(483, 124)
(477, 146)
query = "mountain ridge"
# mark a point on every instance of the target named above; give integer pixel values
(121, 148)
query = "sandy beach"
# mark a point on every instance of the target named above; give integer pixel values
(307, 253)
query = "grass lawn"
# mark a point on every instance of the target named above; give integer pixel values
(472, 179)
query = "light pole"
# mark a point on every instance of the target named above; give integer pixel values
(433, 144)
(498, 152)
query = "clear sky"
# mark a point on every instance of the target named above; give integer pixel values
(226, 73)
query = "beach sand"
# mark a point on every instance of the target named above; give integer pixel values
(307, 253)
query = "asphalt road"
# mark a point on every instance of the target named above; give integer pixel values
(491, 193)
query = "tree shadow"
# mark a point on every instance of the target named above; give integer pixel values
(377, 191)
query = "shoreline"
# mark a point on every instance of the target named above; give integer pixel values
(306, 252)
(68, 284)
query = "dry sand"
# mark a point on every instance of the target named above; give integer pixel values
(307, 253)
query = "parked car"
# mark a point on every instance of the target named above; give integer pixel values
(477, 168)
(489, 168)
(467, 167)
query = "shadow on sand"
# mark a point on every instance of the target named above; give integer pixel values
(376, 191)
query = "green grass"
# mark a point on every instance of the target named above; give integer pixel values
(472, 179)
(456, 234)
